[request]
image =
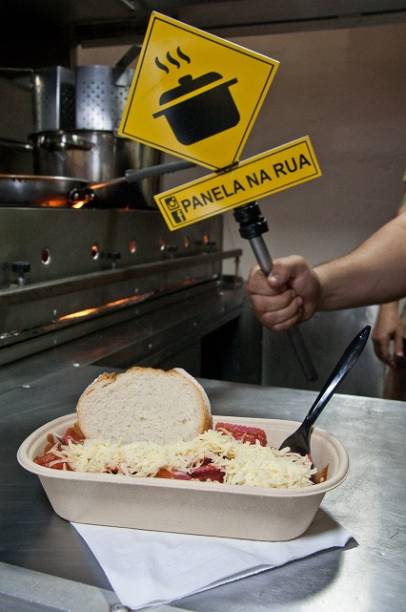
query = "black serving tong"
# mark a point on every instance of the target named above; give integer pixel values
(299, 441)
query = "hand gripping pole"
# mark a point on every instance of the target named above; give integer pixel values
(252, 226)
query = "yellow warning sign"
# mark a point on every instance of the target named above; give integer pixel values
(257, 177)
(194, 94)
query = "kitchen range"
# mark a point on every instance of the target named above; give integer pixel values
(92, 249)
(93, 281)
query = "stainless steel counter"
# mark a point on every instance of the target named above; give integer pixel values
(45, 565)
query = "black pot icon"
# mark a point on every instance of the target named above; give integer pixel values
(209, 110)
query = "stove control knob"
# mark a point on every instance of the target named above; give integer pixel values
(112, 257)
(20, 269)
(211, 245)
(171, 250)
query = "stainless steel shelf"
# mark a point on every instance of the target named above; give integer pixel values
(369, 576)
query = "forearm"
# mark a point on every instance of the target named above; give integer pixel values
(373, 273)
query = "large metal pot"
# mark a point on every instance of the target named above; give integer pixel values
(95, 155)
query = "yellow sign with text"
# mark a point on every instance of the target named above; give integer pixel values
(194, 94)
(254, 178)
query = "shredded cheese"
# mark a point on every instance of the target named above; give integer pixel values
(242, 463)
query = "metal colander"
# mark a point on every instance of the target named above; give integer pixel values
(53, 95)
(54, 98)
(100, 96)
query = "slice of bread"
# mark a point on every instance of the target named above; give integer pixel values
(144, 404)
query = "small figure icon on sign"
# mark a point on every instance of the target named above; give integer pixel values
(178, 216)
(197, 107)
(171, 203)
(173, 206)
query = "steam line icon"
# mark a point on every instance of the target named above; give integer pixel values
(172, 60)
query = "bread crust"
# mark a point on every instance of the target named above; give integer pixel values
(207, 418)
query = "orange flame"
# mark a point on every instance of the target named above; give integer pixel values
(79, 314)
(79, 204)
(108, 306)
(53, 204)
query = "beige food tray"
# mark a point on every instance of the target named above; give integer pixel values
(203, 508)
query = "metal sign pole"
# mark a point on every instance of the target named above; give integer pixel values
(252, 226)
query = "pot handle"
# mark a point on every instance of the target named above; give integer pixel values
(124, 62)
(22, 77)
(61, 141)
(15, 145)
(133, 176)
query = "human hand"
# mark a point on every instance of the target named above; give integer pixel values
(388, 335)
(288, 296)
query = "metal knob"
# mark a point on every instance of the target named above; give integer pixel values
(171, 250)
(112, 257)
(20, 269)
(211, 245)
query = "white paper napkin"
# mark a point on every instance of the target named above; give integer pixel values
(147, 568)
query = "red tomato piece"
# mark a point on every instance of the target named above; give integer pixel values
(60, 466)
(176, 474)
(111, 470)
(48, 458)
(45, 459)
(244, 433)
(71, 434)
(208, 472)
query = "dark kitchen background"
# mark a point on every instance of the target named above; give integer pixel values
(341, 81)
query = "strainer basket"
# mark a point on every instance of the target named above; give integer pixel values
(100, 96)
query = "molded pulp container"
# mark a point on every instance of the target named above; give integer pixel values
(203, 508)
